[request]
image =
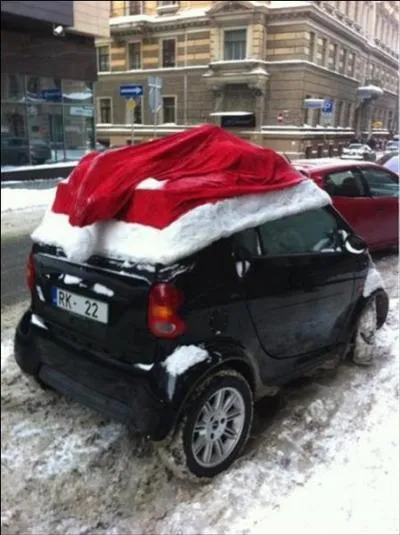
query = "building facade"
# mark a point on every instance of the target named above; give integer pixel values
(48, 68)
(260, 68)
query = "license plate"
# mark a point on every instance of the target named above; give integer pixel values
(82, 306)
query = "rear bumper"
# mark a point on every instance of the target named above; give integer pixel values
(127, 397)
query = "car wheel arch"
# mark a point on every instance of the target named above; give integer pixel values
(238, 362)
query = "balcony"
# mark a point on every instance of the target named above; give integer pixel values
(224, 72)
(128, 17)
(169, 7)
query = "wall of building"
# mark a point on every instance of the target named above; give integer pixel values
(72, 57)
(309, 49)
(91, 18)
(57, 12)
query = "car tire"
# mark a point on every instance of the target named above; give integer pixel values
(365, 335)
(213, 429)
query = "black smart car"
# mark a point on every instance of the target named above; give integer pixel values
(249, 313)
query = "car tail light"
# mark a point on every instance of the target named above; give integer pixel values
(163, 317)
(30, 273)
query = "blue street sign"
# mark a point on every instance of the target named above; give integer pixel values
(51, 94)
(327, 106)
(131, 91)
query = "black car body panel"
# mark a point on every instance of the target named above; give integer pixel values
(270, 316)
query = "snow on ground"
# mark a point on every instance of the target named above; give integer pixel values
(22, 198)
(326, 460)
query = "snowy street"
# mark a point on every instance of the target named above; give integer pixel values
(325, 459)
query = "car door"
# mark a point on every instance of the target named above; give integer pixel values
(299, 284)
(351, 198)
(383, 217)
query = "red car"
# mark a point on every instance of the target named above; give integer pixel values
(366, 194)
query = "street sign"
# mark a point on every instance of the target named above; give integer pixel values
(327, 112)
(313, 103)
(51, 94)
(327, 106)
(81, 111)
(155, 85)
(131, 91)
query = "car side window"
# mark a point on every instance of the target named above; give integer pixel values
(346, 183)
(381, 183)
(314, 231)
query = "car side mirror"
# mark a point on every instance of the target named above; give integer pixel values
(353, 244)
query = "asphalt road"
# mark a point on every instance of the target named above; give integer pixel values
(14, 252)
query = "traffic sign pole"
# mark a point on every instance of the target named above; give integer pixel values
(132, 104)
(155, 85)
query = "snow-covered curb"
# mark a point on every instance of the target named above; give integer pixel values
(21, 199)
(190, 233)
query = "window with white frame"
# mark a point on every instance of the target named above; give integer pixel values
(169, 109)
(134, 56)
(235, 43)
(104, 110)
(103, 58)
(134, 8)
(136, 111)
(168, 52)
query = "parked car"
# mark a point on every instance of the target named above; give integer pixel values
(266, 305)
(392, 146)
(176, 323)
(21, 151)
(366, 195)
(390, 160)
(358, 151)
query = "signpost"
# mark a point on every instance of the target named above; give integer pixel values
(327, 112)
(132, 92)
(155, 86)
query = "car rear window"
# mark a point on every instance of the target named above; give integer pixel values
(346, 183)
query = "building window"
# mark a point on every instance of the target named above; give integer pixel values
(169, 110)
(352, 64)
(235, 44)
(339, 113)
(334, 57)
(134, 8)
(134, 56)
(105, 110)
(170, 3)
(324, 46)
(168, 53)
(103, 59)
(344, 61)
(311, 46)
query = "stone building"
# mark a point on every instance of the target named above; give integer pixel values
(256, 67)
(48, 68)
